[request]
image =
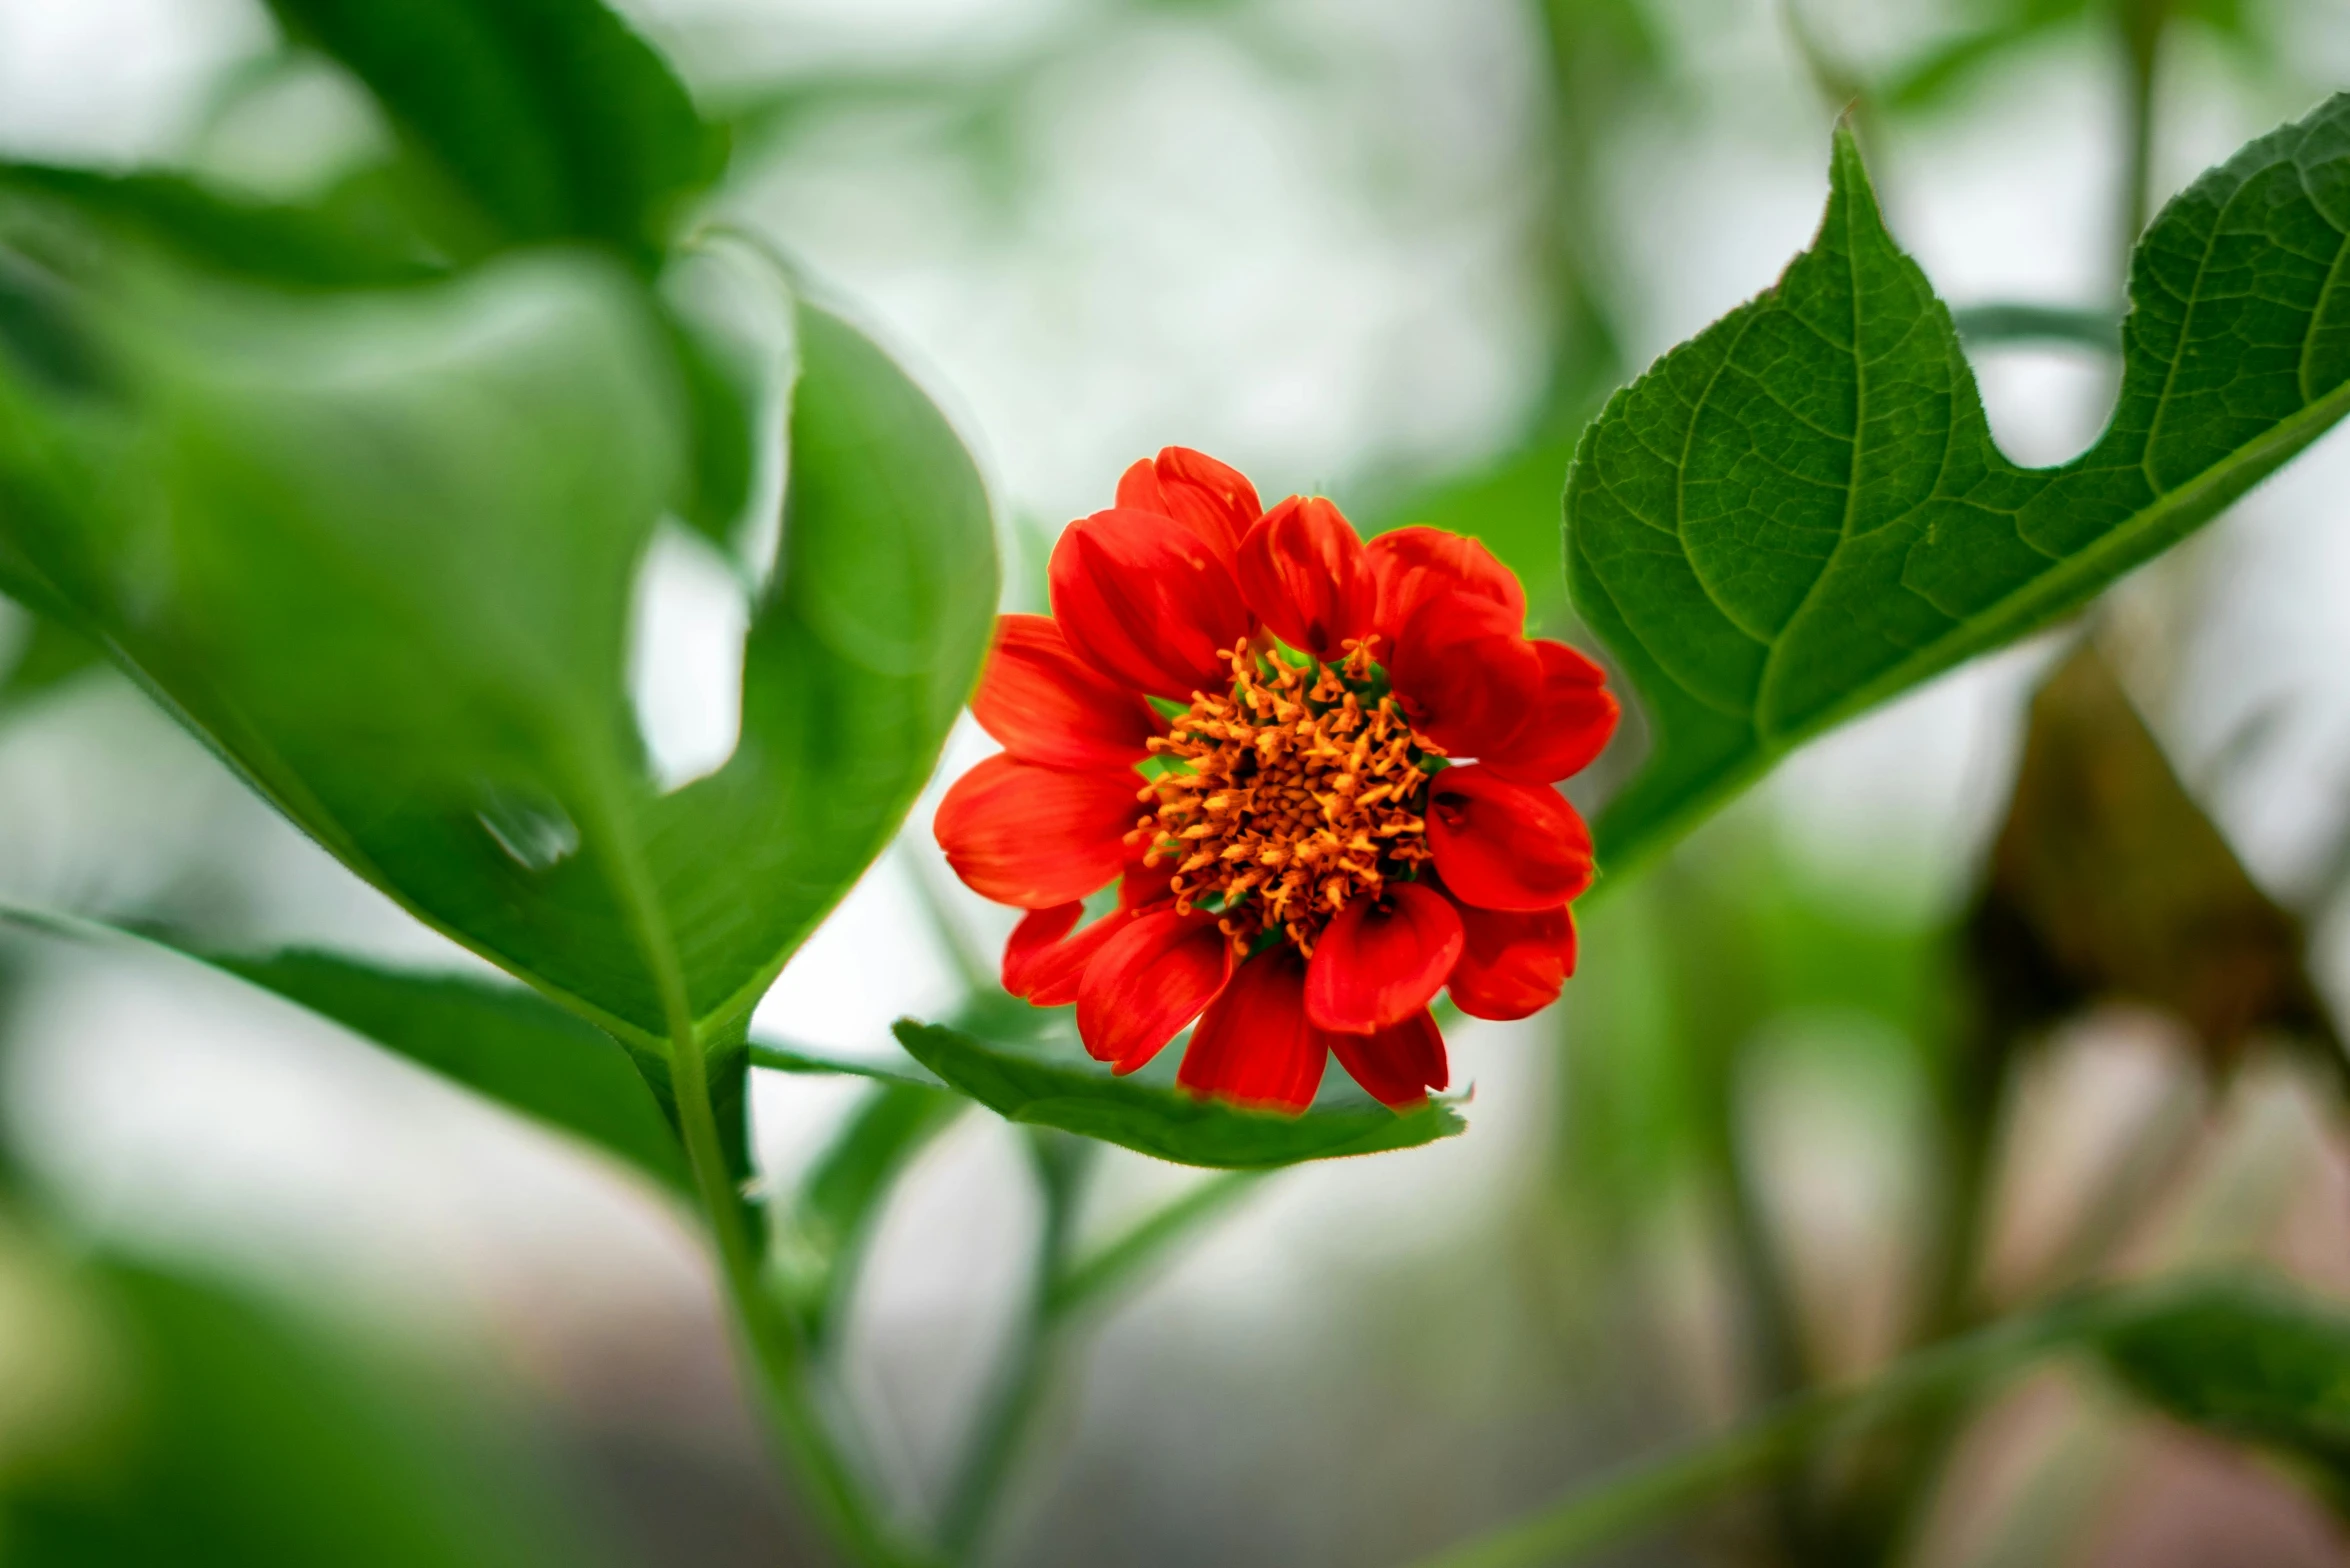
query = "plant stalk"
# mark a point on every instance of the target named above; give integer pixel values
(1645, 1497)
(831, 1489)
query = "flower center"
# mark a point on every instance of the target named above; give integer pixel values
(1286, 801)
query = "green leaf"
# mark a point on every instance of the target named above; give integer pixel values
(50, 656)
(853, 675)
(378, 551)
(1167, 1123)
(1800, 512)
(503, 1043)
(250, 1441)
(2251, 1362)
(556, 118)
(296, 246)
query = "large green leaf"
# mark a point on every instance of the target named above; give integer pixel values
(854, 673)
(1164, 1122)
(508, 1045)
(2252, 1362)
(560, 121)
(1800, 512)
(250, 1441)
(306, 247)
(48, 657)
(378, 552)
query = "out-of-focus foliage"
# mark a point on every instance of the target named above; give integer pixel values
(821, 1236)
(215, 1432)
(1165, 1122)
(2249, 1361)
(2108, 882)
(501, 1042)
(46, 659)
(554, 118)
(1801, 512)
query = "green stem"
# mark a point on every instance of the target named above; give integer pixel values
(832, 1491)
(1116, 1263)
(2143, 23)
(1000, 1434)
(1646, 1496)
(2002, 322)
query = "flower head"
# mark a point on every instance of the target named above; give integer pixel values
(1317, 771)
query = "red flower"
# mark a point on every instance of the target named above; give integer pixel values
(1318, 770)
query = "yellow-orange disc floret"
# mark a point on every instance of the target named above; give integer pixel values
(1287, 800)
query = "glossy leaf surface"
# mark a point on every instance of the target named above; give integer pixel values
(1164, 1122)
(1800, 512)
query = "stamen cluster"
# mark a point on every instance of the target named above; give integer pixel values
(1282, 803)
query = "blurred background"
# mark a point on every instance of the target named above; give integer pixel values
(2057, 976)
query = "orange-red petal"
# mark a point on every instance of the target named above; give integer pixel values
(1465, 673)
(1398, 1065)
(1513, 964)
(1048, 706)
(1150, 606)
(1382, 960)
(1501, 844)
(1301, 568)
(1254, 1044)
(1045, 961)
(1148, 980)
(1036, 837)
(1569, 725)
(1209, 498)
(1411, 565)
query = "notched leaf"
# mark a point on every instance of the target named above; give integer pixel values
(1800, 512)
(1163, 1122)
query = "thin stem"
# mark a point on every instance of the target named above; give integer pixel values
(1000, 1434)
(2143, 23)
(2005, 322)
(800, 1059)
(832, 1490)
(1646, 1496)
(1117, 1263)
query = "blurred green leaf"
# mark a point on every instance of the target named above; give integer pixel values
(295, 246)
(2250, 1362)
(49, 656)
(1800, 512)
(854, 672)
(254, 1443)
(497, 1040)
(821, 1235)
(2108, 881)
(560, 121)
(379, 552)
(504, 1043)
(2000, 29)
(1167, 1123)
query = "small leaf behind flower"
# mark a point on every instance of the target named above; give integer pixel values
(1166, 1123)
